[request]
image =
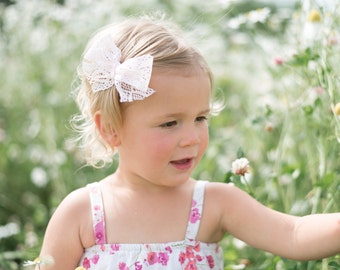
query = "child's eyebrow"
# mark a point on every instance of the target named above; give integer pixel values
(206, 111)
(203, 112)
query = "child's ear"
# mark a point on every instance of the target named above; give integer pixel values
(109, 135)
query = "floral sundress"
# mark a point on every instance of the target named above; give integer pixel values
(188, 254)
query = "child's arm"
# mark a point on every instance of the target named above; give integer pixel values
(299, 238)
(62, 239)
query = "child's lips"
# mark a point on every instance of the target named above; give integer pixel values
(182, 164)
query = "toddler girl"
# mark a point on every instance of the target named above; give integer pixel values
(146, 94)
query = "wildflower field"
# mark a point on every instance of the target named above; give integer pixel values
(277, 77)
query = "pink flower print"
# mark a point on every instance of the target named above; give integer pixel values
(191, 266)
(189, 253)
(195, 215)
(95, 259)
(99, 237)
(138, 266)
(168, 249)
(197, 246)
(163, 258)
(182, 257)
(99, 230)
(152, 258)
(114, 248)
(210, 260)
(123, 266)
(97, 207)
(199, 258)
(86, 263)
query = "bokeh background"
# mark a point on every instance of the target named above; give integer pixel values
(276, 66)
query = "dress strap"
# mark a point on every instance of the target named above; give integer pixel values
(196, 212)
(97, 210)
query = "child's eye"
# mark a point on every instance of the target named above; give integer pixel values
(201, 118)
(169, 124)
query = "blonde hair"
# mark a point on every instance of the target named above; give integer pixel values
(134, 37)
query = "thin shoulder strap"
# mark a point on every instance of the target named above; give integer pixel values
(97, 210)
(196, 212)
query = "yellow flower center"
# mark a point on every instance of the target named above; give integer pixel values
(37, 260)
(337, 108)
(314, 16)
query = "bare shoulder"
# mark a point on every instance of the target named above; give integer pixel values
(76, 199)
(229, 198)
(75, 210)
(222, 191)
(73, 205)
(72, 213)
(64, 234)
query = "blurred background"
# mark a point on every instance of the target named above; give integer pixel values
(276, 67)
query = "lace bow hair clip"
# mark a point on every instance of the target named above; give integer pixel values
(102, 68)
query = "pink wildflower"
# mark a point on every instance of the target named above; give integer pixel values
(278, 61)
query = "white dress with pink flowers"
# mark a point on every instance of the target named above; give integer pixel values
(185, 254)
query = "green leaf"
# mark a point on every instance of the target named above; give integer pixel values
(240, 153)
(303, 58)
(227, 177)
(308, 110)
(334, 265)
(326, 180)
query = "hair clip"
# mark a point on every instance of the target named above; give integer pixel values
(102, 68)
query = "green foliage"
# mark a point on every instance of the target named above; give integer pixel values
(279, 114)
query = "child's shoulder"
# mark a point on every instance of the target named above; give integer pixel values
(74, 205)
(74, 213)
(223, 196)
(77, 198)
(219, 188)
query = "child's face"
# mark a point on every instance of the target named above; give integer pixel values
(163, 137)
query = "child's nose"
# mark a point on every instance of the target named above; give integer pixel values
(190, 137)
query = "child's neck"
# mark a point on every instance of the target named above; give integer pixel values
(141, 185)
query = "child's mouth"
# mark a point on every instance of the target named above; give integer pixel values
(182, 164)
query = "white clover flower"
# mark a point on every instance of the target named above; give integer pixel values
(38, 261)
(39, 177)
(240, 166)
(35, 262)
(9, 230)
(259, 15)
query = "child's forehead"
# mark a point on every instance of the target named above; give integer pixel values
(179, 86)
(185, 70)
(179, 73)
(176, 94)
